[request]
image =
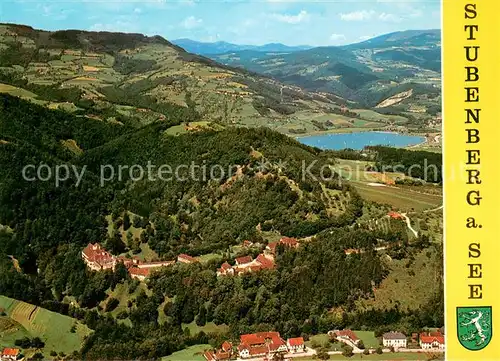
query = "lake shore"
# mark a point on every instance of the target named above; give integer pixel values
(360, 139)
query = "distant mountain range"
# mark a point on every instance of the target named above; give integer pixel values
(221, 47)
(363, 72)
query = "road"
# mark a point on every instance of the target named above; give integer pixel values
(408, 223)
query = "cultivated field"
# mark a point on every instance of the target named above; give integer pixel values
(193, 353)
(378, 187)
(24, 319)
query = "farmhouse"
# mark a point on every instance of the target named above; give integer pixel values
(260, 344)
(225, 269)
(10, 354)
(394, 339)
(184, 258)
(286, 241)
(246, 265)
(295, 344)
(225, 353)
(242, 261)
(346, 336)
(429, 341)
(139, 273)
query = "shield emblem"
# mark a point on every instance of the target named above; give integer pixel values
(474, 327)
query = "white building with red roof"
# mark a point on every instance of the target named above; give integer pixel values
(139, 273)
(243, 261)
(224, 353)
(261, 344)
(97, 258)
(184, 258)
(10, 354)
(225, 270)
(346, 336)
(295, 344)
(288, 242)
(430, 341)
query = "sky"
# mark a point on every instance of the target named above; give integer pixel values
(255, 22)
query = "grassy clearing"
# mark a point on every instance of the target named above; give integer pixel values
(377, 117)
(193, 353)
(322, 340)
(17, 92)
(24, 319)
(400, 198)
(209, 257)
(121, 293)
(368, 338)
(210, 327)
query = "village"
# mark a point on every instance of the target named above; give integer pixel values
(267, 346)
(98, 259)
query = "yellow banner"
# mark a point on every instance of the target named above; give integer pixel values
(471, 88)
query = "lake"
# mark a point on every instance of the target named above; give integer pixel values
(358, 140)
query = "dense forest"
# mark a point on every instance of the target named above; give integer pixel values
(46, 225)
(414, 163)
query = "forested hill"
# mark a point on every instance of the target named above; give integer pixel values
(366, 72)
(45, 225)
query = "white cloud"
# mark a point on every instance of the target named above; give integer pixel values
(302, 16)
(191, 22)
(137, 10)
(390, 18)
(337, 37)
(357, 15)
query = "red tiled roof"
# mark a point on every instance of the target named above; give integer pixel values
(221, 355)
(252, 339)
(243, 260)
(272, 246)
(186, 257)
(226, 346)
(139, 271)
(297, 341)
(95, 253)
(265, 262)
(395, 215)
(430, 339)
(225, 266)
(288, 241)
(260, 350)
(347, 333)
(10, 352)
(209, 355)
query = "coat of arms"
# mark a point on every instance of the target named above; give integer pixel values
(474, 327)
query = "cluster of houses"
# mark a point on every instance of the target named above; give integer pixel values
(260, 344)
(263, 261)
(426, 340)
(98, 259)
(10, 354)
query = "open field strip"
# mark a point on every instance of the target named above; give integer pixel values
(27, 320)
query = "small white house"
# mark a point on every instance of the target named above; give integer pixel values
(394, 339)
